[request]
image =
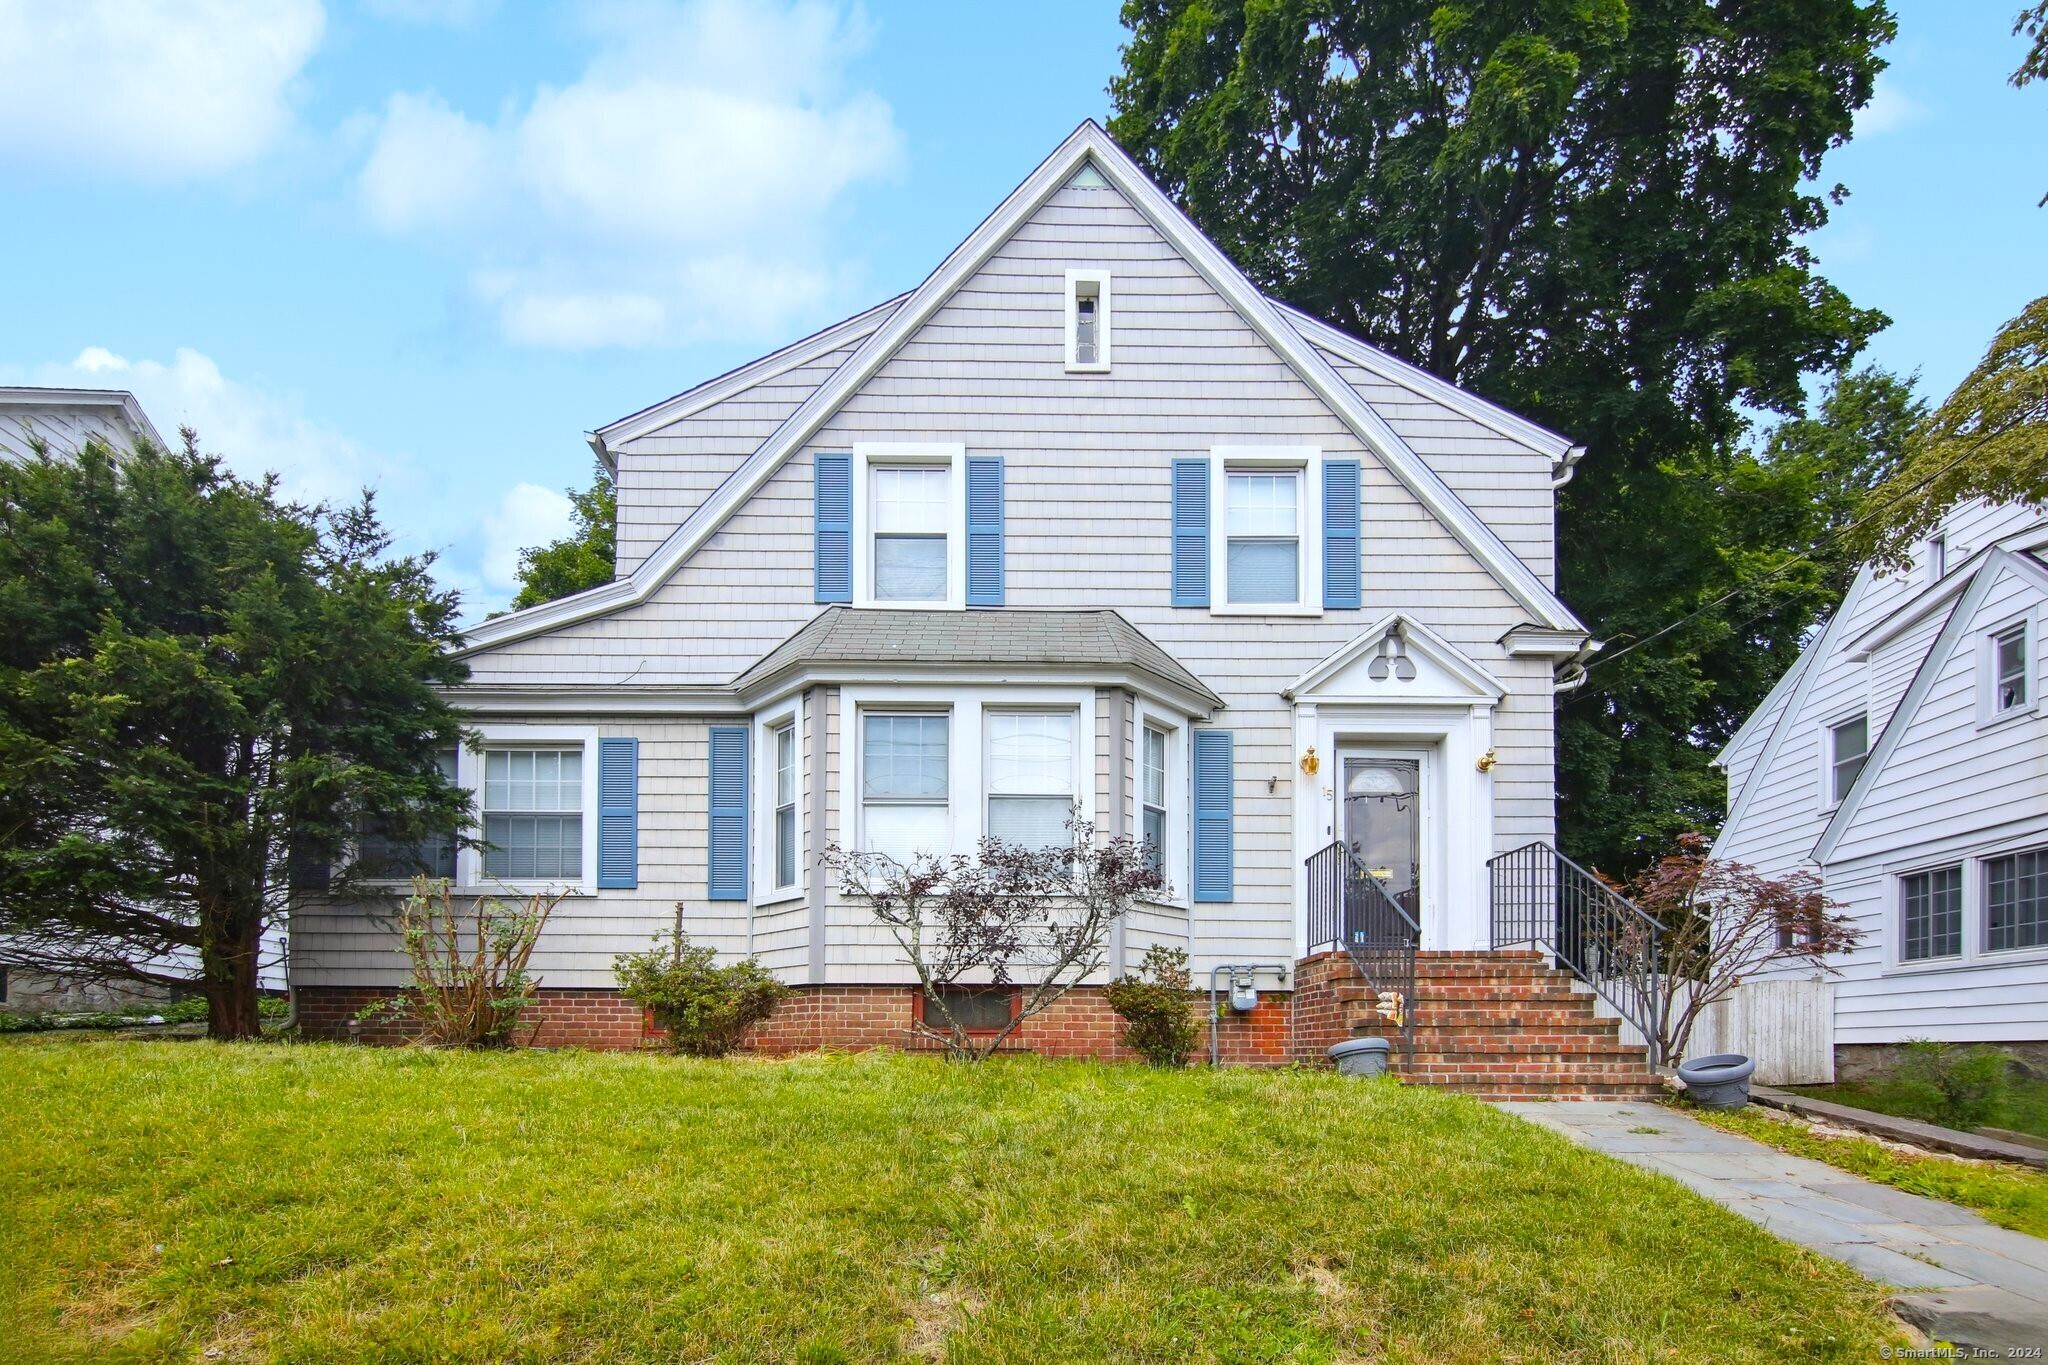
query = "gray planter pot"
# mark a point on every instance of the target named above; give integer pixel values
(1361, 1056)
(1718, 1082)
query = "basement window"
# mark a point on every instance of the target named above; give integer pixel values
(978, 1009)
(1088, 320)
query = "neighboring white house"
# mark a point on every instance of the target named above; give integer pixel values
(1904, 757)
(62, 421)
(65, 419)
(1085, 519)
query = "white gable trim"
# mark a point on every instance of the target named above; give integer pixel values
(607, 439)
(86, 400)
(1421, 382)
(1952, 631)
(1421, 640)
(1819, 649)
(1088, 144)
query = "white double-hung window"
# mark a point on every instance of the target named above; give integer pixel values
(785, 805)
(1152, 796)
(1263, 520)
(1031, 776)
(2010, 691)
(910, 513)
(533, 813)
(905, 784)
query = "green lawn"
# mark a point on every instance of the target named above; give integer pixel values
(316, 1203)
(2023, 1110)
(2010, 1196)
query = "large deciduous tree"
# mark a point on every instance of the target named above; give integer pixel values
(1988, 440)
(584, 558)
(196, 679)
(1592, 213)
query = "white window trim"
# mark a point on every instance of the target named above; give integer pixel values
(950, 455)
(1175, 859)
(966, 744)
(1988, 714)
(469, 774)
(789, 712)
(1825, 744)
(1104, 315)
(1223, 462)
(1935, 548)
(1081, 771)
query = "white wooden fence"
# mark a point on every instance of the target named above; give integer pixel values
(1788, 1026)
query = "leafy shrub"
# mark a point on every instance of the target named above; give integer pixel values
(1961, 1087)
(1157, 1009)
(469, 982)
(705, 1008)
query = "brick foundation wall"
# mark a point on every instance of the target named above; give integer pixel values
(1324, 987)
(855, 1018)
(562, 1018)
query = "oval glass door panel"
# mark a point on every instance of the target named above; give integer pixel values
(1383, 824)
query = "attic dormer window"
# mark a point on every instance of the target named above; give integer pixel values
(1088, 320)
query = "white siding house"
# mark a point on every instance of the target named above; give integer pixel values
(1083, 518)
(63, 420)
(1904, 757)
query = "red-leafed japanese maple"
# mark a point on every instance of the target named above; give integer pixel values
(1035, 918)
(1722, 923)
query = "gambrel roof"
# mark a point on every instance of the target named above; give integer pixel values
(895, 322)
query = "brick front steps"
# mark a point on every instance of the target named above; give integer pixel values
(1505, 1026)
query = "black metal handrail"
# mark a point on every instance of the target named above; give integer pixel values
(1543, 899)
(1349, 909)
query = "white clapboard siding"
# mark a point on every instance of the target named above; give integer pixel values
(1951, 792)
(1087, 461)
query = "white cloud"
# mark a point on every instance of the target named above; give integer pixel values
(527, 515)
(257, 431)
(1890, 108)
(685, 184)
(162, 90)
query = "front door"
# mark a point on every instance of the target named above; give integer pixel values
(1382, 825)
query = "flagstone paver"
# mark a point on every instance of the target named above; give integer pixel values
(1961, 1279)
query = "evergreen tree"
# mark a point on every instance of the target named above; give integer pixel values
(195, 679)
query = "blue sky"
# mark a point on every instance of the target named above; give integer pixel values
(427, 244)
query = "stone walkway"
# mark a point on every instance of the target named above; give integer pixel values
(1964, 1281)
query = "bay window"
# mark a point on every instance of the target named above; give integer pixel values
(785, 805)
(905, 785)
(1152, 796)
(1030, 777)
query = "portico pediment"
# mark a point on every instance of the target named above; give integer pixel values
(1398, 661)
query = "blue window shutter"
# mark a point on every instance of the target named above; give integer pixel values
(832, 529)
(1340, 534)
(729, 852)
(618, 813)
(985, 531)
(1215, 846)
(1190, 533)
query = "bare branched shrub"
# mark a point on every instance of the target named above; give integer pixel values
(1722, 923)
(469, 965)
(1034, 917)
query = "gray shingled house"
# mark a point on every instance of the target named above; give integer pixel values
(1084, 519)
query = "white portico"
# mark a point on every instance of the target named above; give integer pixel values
(1397, 728)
